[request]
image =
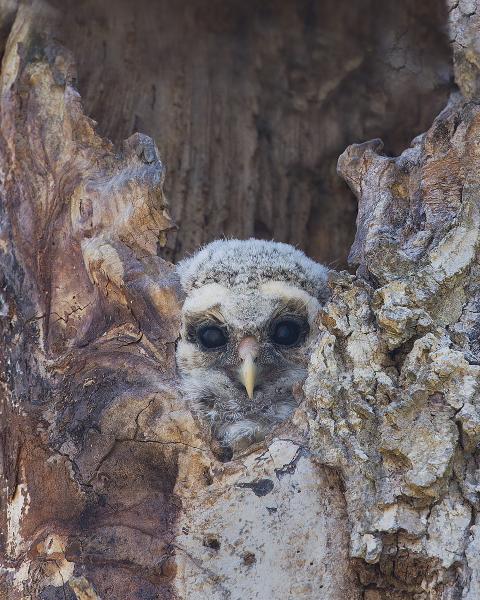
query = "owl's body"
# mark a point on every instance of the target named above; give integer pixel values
(247, 322)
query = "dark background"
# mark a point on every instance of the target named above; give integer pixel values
(251, 103)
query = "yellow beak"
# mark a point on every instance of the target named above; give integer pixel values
(248, 352)
(248, 373)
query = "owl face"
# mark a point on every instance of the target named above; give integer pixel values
(244, 344)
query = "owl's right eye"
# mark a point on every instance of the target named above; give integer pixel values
(212, 336)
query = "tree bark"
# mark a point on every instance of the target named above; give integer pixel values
(110, 487)
(251, 104)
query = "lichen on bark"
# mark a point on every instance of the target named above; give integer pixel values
(392, 395)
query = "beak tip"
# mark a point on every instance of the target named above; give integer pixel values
(247, 376)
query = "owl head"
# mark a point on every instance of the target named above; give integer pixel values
(247, 322)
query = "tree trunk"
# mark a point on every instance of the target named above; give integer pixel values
(252, 103)
(110, 488)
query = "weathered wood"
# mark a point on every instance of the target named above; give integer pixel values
(110, 488)
(393, 391)
(89, 329)
(112, 491)
(251, 103)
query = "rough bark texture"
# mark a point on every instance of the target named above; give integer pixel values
(393, 390)
(109, 486)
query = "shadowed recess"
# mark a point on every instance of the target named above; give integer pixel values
(251, 103)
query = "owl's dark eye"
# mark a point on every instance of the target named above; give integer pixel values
(212, 336)
(288, 331)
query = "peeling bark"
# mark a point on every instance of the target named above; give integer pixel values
(110, 488)
(392, 393)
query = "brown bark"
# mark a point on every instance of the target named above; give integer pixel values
(251, 103)
(111, 489)
(89, 330)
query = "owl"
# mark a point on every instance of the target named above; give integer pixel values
(247, 324)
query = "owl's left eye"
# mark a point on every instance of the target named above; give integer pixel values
(212, 336)
(288, 331)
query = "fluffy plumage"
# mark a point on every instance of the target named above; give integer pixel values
(247, 323)
(247, 263)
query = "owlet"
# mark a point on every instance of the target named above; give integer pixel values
(247, 322)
